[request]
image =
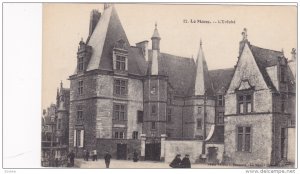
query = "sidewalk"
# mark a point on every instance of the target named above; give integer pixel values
(80, 163)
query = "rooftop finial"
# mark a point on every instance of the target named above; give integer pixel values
(61, 84)
(293, 54)
(201, 43)
(106, 5)
(244, 34)
(155, 25)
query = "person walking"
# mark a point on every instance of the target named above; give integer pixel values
(107, 159)
(135, 156)
(186, 163)
(71, 156)
(176, 162)
(87, 155)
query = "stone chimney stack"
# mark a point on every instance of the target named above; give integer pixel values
(293, 54)
(94, 19)
(144, 46)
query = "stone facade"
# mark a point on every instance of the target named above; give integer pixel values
(136, 98)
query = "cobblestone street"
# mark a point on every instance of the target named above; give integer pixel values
(140, 164)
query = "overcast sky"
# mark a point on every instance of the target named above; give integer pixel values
(272, 27)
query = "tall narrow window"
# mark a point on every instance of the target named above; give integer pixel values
(135, 134)
(140, 115)
(199, 123)
(169, 115)
(79, 113)
(116, 134)
(282, 103)
(80, 87)
(120, 87)
(244, 138)
(120, 112)
(199, 110)
(59, 124)
(121, 135)
(80, 64)
(120, 63)
(220, 100)
(220, 118)
(153, 109)
(245, 103)
(153, 125)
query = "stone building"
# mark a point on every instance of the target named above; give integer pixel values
(55, 127)
(125, 98)
(259, 107)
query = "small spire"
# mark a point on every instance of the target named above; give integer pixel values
(200, 43)
(244, 34)
(61, 84)
(293, 54)
(155, 25)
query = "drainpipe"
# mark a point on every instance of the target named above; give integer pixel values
(204, 124)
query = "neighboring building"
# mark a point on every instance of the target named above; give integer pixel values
(125, 98)
(55, 128)
(259, 104)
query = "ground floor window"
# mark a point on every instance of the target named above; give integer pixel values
(78, 138)
(119, 135)
(244, 138)
(135, 135)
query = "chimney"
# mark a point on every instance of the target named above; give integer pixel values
(293, 53)
(144, 46)
(95, 16)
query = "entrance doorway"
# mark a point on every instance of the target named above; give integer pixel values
(152, 151)
(122, 151)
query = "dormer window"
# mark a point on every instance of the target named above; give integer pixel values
(120, 53)
(120, 63)
(221, 100)
(80, 64)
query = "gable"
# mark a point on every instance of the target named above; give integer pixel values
(247, 69)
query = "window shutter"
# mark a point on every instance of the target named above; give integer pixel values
(74, 138)
(81, 138)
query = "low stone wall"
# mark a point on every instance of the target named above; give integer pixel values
(174, 147)
(110, 145)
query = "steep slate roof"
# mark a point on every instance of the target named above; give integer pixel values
(108, 31)
(180, 71)
(221, 79)
(265, 58)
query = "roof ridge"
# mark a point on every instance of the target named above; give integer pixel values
(265, 48)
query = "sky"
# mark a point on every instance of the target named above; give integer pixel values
(271, 27)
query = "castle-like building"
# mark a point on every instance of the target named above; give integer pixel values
(125, 98)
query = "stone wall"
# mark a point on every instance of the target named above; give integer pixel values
(110, 145)
(174, 147)
(260, 143)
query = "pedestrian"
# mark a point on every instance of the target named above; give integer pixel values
(186, 163)
(71, 156)
(95, 158)
(135, 156)
(84, 156)
(87, 155)
(176, 162)
(107, 159)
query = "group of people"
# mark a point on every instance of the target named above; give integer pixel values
(93, 154)
(107, 157)
(178, 163)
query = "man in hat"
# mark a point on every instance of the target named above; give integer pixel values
(186, 163)
(107, 159)
(176, 162)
